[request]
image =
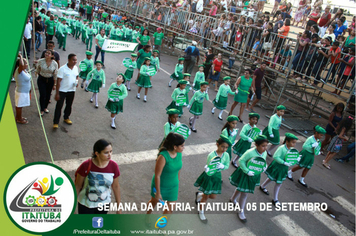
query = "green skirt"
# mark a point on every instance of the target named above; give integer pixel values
(180, 76)
(196, 86)
(243, 182)
(115, 107)
(306, 160)
(241, 97)
(144, 81)
(83, 74)
(95, 86)
(168, 194)
(128, 74)
(277, 172)
(276, 139)
(197, 108)
(221, 105)
(241, 147)
(229, 152)
(209, 184)
(174, 106)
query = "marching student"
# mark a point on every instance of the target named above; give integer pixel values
(107, 27)
(210, 183)
(135, 34)
(84, 30)
(155, 60)
(128, 33)
(277, 171)
(97, 77)
(229, 130)
(196, 104)
(307, 154)
(220, 102)
(186, 77)
(245, 141)
(171, 124)
(78, 28)
(199, 77)
(116, 94)
(90, 66)
(244, 179)
(177, 97)
(130, 70)
(62, 34)
(144, 81)
(178, 72)
(89, 33)
(272, 130)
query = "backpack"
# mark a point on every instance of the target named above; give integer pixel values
(86, 172)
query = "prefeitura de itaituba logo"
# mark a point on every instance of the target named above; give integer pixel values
(39, 195)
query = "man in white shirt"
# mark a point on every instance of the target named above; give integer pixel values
(200, 6)
(67, 81)
(27, 35)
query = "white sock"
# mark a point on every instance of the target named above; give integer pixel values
(276, 191)
(235, 159)
(221, 113)
(193, 122)
(267, 181)
(96, 99)
(92, 97)
(201, 215)
(242, 215)
(213, 110)
(235, 195)
(199, 197)
(112, 121)
(302, 180)
(242, 201)
(138, 94)
(86, 84)
(170, 82)
(145, 97)
(290, 173)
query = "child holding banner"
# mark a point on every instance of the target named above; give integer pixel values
(229, 130)
(178, 72)
(284, 157)
(220, 102)
(144, 81)
(196, 104)
(272, 130)
(209, 182)
(247, 176)
(179, 97)
(86, 66)
(311, 146)
(116, 94)
(130, 64)
(199, 77)
(247, 134)
(171, 124)
(97, 77)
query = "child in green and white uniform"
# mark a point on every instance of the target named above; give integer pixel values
(211, 185)
(135, 34)
(220, 102)
(155, 60)
(245, 142)
(107, 28)
(128, 33)
(89, 33)
(97, 77)
(244, 179)
(90, 66)
(172, 124)
(84, 30)
(73, 25)
(196, 104)
(95, 23)
(113, 31)
(272, 130)
(130, 70)
(277, 171)
(116, 94)
(62, 34)
(199, 77)
(179, 92)
(78, 28)
(229, 130)
(188, 88)
(178, 72)
(144, 81)
(307, 154)
(101, 24)
(119, 33)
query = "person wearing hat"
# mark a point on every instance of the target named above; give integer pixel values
(155, 60)
(119, 32)
(89, 11)
(107, 28)
(97, 77)
(196, 104)
(130, 65)
(89, 33)
(220, 102)
(136, 34)
(144, 81)
(209, 182)
(193, 53)
(307, 154)
(158, 37)
(99, 41)
(113, 29)
(178, 72)
(277, 171)
(172, 124)
(230, 131)
(128, 33)
(50, 28)
(247, 134)
(244, 179)
(272, 130)
(78, 27)
(101, 24)
(88, 61)
(73, 22)
(199, 77)
(62, 34)
(141, 55)
(84, 30)
(117, 92)
(179, 98)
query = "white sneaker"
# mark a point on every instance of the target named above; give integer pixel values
(213, 111)
(202, 216)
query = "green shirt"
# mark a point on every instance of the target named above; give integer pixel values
(232, 136)
(248, 155)
(244, 131)
(96, 75)
(280, 154)
(199, 77)
(135, 35)
(90, 31)
(158, 37)
(117, 91)
(199, 97)
(155, 62)
(225, 159)
(50, 27)
(78, 24)
(100, 39)
(274, 123)
(128, 32)
(224, 91)
(169, 127)
(179, 68)
(119, 32)
(144, 39)
(62, 29)
(144, 70)
(133, 64)
(177, 92)
(89, 9)
(307, 146)
(89, 63)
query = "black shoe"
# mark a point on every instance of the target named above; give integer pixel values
(113, 127)
(305, 185)
(275, 203)
(64, 49)
(82, 86)
(234, 164)
(196, 198)
(190, 122)
(269, 154)
(290, 178)
(193, 130)
(241, 121)
(128, 89)
(264, 190)
(91, 101)
(220, 118)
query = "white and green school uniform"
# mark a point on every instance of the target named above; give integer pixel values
(178, 72)
(243, 144)
(130, 70)
(187, 89)
(273, 128)
(62, 35)
(90, 66)
(89, 41)
(97, 80)
(212, 184)
(107, 28)
(134, 36)
(232, 137)
(240, 179)
(307, 153)
(220, 102)
(119, 34)
(155, 62)
(128, 34)
(116, 96)
(169, 127)
(78, 29)
(199, 77)
(144, 80)
(177, 92)
(277, 171)
(84, 32)
(196, 103)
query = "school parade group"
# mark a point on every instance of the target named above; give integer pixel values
(249, 160)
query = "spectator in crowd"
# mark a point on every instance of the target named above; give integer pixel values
(350, 153)
(299, 13)
(278, 24)
(282, 34)
(324, 21)
(215, 71)
(340, 28)
(330, 32)
(193, 53)
(27, 38)
(321, 60)
(38, 33)
(313, 17)
(208, 61)
(334, 119)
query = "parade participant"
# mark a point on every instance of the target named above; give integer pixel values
(89, 33)
(119, 33)
(141, 55)
(143, 39)
(144, 81)
(88, 61)
(277, 171)
(84, 30)
(107, 28)
(99, 41)
(72, 24)
(186, 77)
(128, 33)
(196, 104)
(272, 130)
(245, 141)
(244, 179)
(49, 29)
(171, 124)
(243, 85)
(77, 28)
(157, 39)
(165, 181)
(179, 97)
(131, 65)
(62, 34)
(97, 77)
(199, 77)
(113, 31)
(178, 72)
(90, 192)
(116, 94)
(209, 182)
(220, 102)
(101, 25)
(229, 130)
(135, 34)
(307, 154)
(155, 60)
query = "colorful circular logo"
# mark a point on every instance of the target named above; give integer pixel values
(39, 197)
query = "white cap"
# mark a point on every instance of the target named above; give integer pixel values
(194, 42)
